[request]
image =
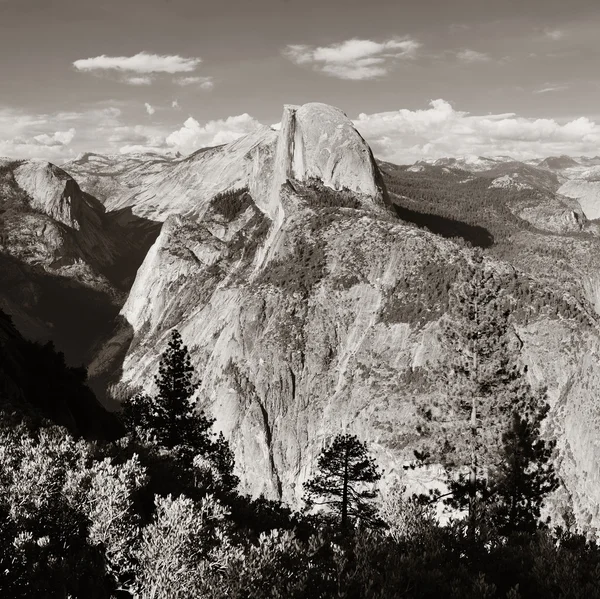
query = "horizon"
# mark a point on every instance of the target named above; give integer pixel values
(420, 82)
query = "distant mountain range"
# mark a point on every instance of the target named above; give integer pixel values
(482, 163)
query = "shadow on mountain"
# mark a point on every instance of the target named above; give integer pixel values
(107, 368)
(37, 385)
(446, 227)
(46, 307)
(136, 234)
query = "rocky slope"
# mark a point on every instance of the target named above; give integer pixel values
(308, 282)
(65, 263)
(310, 308)
(586, 190)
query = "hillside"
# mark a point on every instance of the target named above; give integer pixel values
(309, 282)
(38, 386)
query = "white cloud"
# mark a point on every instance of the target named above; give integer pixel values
(144, 80)
(205, 83)
(149, 108)
(143, 63)
(408, 135)
(554, 34)
(354, 59)
(472, 56)
(59, 138)
(141, 149)
(175, 105)
(55, 136)
(50, 146)
(551, 88)
(193, 136)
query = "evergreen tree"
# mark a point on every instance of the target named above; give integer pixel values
(343, 482)
(170, 420)
(173, 407)
(478, 373)
(525, 474)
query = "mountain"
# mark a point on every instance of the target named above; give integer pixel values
(583, 184)
(308, 282)
(508, 189)
(558, 163)
(472, 162)
(157, 187)
(567, 179)
(65, 263)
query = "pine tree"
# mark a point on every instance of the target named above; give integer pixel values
(525, 474)
(477, 373)
(169, 419)
(173, 408)
(343, 482)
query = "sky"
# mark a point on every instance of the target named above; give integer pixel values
(420, 78)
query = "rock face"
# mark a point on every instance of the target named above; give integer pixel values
(554, 213)
(155, 188)
(309, 309)
(55, 193)
(315, 141)
(322, 340)
(323, 144)
(587, 193)
(48, 219)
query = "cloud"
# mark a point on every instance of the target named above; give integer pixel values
(354, 59)
(205, 83)
(192, 136)
(45, 145)
(440, 130)
(472, 56)
(554, 34)
(101, 128)
(143, 63)
(53, 136)
(138, 80)
(142, 149)
(149, 108)
(175, 105)
(551, 88)
(59, 138)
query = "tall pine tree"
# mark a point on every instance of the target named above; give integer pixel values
(477, 372)
(344, 481)
(173, 407)
(525, 474)
(170, 419)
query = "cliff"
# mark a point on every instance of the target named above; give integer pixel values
(65, 264)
